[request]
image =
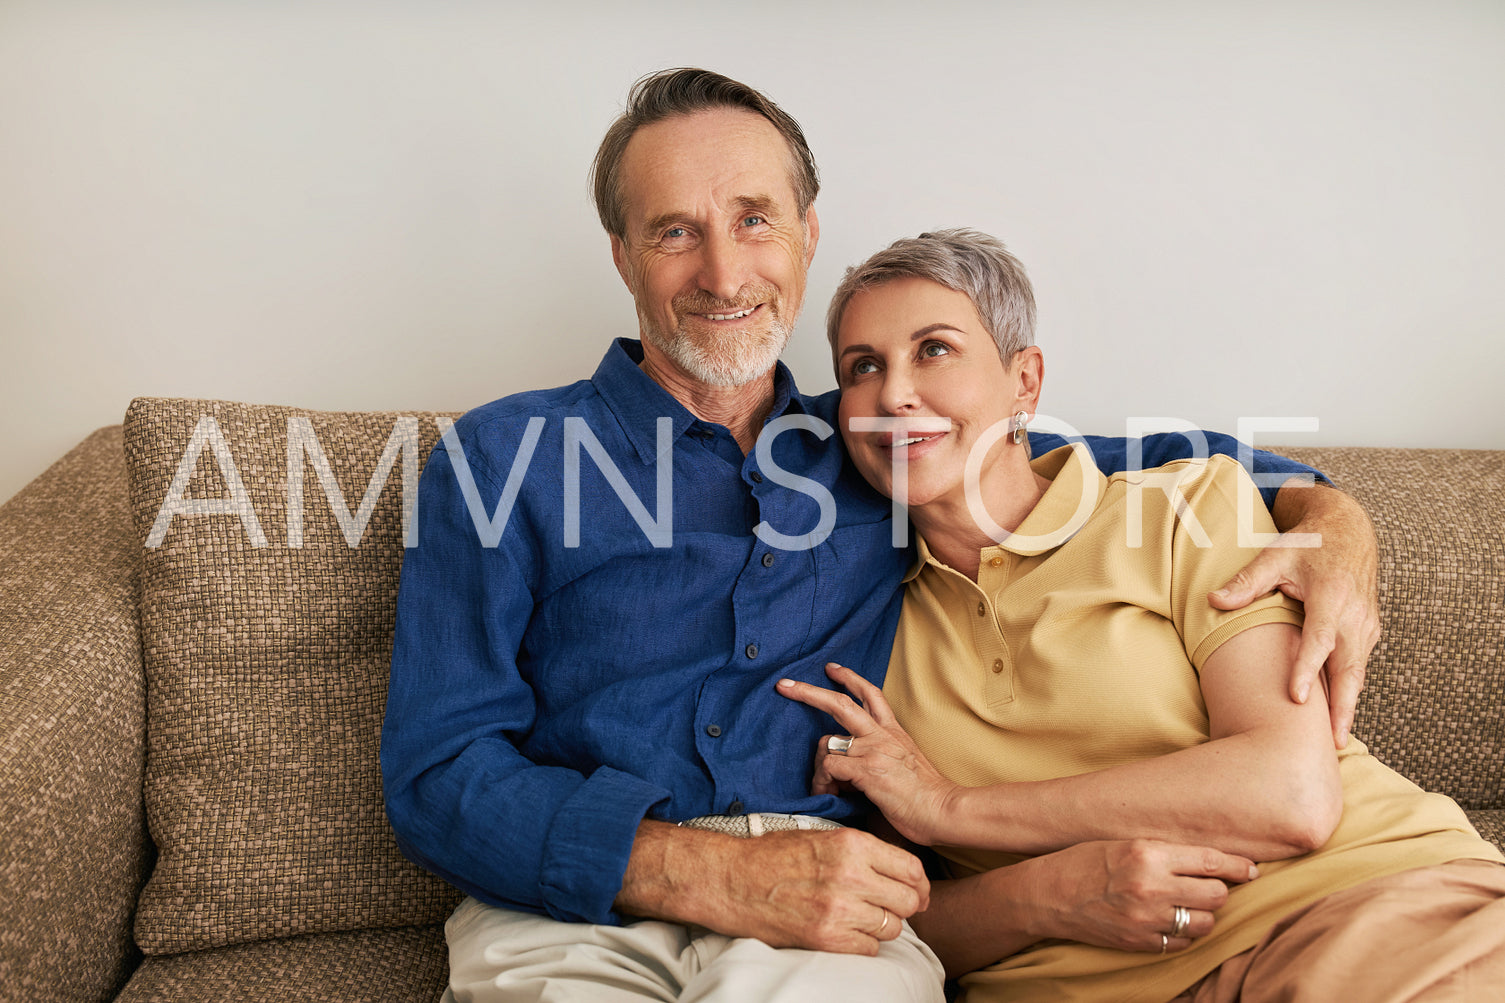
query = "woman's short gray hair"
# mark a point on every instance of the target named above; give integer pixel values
(968, 261)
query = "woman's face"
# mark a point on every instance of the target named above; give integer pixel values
(916, 353)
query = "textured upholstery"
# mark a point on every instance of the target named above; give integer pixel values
(73, 845)
(265, 673)
(398, 965)
(1434, 707)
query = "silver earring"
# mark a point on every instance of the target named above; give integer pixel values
(1016, 426)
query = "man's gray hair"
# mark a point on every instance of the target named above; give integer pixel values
(967, 261)
(685, 91)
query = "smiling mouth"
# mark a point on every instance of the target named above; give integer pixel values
(900, 443)
(737, 315)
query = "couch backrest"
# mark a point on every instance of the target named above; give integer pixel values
(267, 615)
(1434, 706)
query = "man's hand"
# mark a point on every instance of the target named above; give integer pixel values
(1338, 583)
(837, 890)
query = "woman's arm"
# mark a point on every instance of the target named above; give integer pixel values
(1337, 583)
(1120, 894)
(1265, 786)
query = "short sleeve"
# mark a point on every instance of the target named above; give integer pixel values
(1221, 525)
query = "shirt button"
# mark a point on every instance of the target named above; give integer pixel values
(714, 730)
(767, 560)
(982, 609)
(996, 562)
(752, 651)
(997, 665)
(757, 478)
(735, 808)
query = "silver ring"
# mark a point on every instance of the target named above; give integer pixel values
(1181, 922)
(839, 744)
(1165, 942)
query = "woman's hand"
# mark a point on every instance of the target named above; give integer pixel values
(1124, 893)
(882, 761)
(1121, 894)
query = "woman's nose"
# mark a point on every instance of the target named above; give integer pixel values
(898, 391)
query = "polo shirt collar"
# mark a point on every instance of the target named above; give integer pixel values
(1076, 487)
(638, 401)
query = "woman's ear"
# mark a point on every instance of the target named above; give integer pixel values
(1029, 371)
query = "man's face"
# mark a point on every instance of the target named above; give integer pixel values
(715, 253)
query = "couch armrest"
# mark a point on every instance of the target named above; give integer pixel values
(74, 850)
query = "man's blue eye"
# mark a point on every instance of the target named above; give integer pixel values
(752, 221)
(675, 231)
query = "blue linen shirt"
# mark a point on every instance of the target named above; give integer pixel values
(557, 679)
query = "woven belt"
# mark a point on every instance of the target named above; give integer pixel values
(757, 823)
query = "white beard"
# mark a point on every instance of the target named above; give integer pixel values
(725, 362)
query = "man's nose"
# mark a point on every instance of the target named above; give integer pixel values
(723, 270)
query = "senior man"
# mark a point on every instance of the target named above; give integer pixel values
(586, 650)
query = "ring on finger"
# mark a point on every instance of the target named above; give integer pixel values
(882, 926)
(1181, 921)
(1165, 943)
(839, 744)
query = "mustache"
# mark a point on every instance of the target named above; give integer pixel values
(748, 296)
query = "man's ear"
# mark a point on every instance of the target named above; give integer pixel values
(812, 233)
(1029, 364)
(619, 258)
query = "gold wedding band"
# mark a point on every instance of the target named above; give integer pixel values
(882, 926)
(1165, 942)
(839, 744)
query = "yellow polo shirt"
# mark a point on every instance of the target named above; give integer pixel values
(1077, 649)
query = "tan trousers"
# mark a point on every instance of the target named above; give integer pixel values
(498, 955)
(1432, 934)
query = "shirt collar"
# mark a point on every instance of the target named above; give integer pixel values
(1076, 486)
(638, 402)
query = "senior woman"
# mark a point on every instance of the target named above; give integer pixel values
(1059, 683)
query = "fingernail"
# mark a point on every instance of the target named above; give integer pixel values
(785, 684)
(1303, 691)
(1253, 872)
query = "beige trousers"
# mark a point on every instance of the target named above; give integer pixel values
(1434, 934)
(498, 955)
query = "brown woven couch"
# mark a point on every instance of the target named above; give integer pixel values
(188, 732)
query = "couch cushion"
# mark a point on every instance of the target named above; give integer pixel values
(266, 667)
(373, 966)
(1434, 706)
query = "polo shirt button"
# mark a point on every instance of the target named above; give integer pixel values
(752, 651)
(982, 609)
(767, 560)
(714, 730)
(735, 808)
(757, 478)
(997, 665)
(996, 562)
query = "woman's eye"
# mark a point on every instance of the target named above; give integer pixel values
(863, 367)
(933, 349)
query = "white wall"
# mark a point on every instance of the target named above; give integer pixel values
(1228, 209)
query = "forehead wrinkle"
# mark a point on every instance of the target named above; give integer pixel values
(740, 163)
